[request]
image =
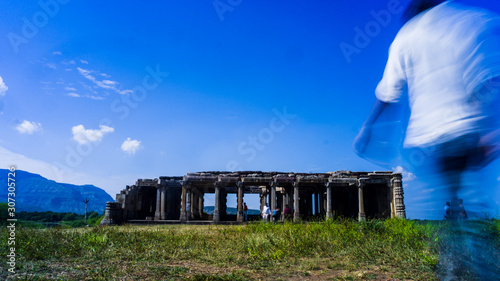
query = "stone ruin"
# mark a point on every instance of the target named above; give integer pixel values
(347, 194)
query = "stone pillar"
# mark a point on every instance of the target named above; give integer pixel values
(263, 200)
(296, 209)
(163, 202)
(329, 213)
(112, 214)
(361, 208)
(398, 196)
(272, 198)
(191, 204)
(217, 204)
(158, 204)
(239, 216)
(184, 214)
(201, 205)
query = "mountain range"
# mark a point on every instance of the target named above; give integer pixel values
(36, 193)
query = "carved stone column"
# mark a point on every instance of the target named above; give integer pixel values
(217, 203)
(398, 196)
(158, 204)
(272, 199)
(391, 198)
(184, 215)
(201, 205)
(361, 208)
(239, 216)
(329, 213)
(263, 199)
(192, 204)
(296, 209)
(163, 203)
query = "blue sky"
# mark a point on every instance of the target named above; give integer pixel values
(95, 92)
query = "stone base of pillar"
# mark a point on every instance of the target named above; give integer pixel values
(329, 215)
(296, 216)
(184, 216)
(157, 216)
(163, 215)
(239, 216)
(112, 214)
(361, 216)
(216, 217)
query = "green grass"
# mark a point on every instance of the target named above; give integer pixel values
(335, 250)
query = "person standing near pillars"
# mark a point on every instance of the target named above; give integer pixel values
(447, 211)
(288, 212)
(245, 212)
(266, 213)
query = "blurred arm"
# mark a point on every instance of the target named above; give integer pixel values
(363, 138)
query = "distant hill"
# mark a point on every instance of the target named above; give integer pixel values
(36, 193)
(230, 211)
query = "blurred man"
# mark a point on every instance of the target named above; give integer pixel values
(447, 59)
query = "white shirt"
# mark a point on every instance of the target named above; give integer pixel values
(442, 57)
(266, 211)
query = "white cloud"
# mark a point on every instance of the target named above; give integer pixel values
(51, 65)
(94, 97)
(70, 89)
(27, 127)
(68, 69)
(84, 61)
(109, 82)
(57, 53)
(3, 87)
(131, 146)
(83, 136)
(498, 179)
(104, 84)
(407, 176)
(126, 92)
(75, 95)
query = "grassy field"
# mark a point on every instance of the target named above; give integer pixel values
(333, 250)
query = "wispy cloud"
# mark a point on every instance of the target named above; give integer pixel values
(407, 176)
(57, 53)
(70, 89)
(104, 84)
(84, 61)
(131, 146)
(84, 136)
(51, 65)
(3, 87)
(74, 95)
(27, 127)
